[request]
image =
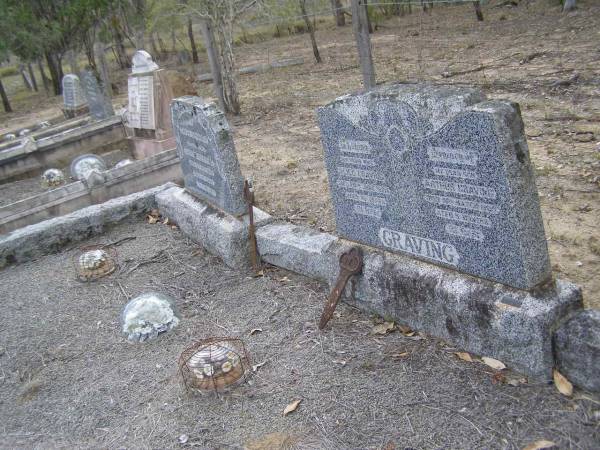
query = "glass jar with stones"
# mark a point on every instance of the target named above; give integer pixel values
(84, 164)
(53, 178)
(149, 315)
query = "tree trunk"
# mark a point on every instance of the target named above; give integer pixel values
(72, 58)
(88, 44)
(173, 41)
(229, 75)
(25, 76)
(338, 12)
(99, 49)
(161, 45)
(311, 30)
(478, 12)
(363, 42)
(192, 41)
(366, 3)
(32, 77)
(569, 5)
(55, 73)
(215, 66)
(155, 52)
(5, 101)
(119, 47)
(45, 80)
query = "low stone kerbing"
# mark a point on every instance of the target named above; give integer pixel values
(51, 235)
(219, 233)
(476, 315)
(299, 249)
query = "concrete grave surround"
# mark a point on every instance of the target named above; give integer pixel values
(209, 162)
(73, 97)
(220, 234)
(440, 174)
(99, 104)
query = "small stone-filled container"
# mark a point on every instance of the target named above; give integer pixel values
(214, 364)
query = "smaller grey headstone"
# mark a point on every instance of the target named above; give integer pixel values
(149, 315)
(209, 162)
(98, 102)
(577, 349)
(73, 97)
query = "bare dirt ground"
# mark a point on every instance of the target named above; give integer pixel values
(532, 54)
(68, 379)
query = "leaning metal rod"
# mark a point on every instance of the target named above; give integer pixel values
(249, 196)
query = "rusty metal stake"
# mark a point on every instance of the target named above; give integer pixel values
(351, 263)
(249, 196)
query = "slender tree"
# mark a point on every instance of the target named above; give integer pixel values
(311, 30)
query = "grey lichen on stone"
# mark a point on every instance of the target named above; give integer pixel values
(577, 349)
(439, 173)
(149, 315)
(209, 162)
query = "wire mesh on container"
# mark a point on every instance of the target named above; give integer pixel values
(94, 262)
(214, 364)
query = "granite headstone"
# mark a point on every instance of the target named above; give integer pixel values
(98, 102)
(211, 170)
(73, 97)
(438, 173)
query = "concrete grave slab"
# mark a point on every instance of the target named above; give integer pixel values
(221, 234)
(209, 161)
(440, 174)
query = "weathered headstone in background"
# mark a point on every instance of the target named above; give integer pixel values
(438, 173)
(209, 161)
(98, 102)
(73, 98)
(149, 114)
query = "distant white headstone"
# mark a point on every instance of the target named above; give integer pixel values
(72, 94)
(141, 102)
(142, 62)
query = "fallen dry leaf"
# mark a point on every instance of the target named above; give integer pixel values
(493, 363)
(563, 385)
(516, 381)
(540, 445)
(284, 279)
(291, 407)
(464, 356)
(255, 330)
(383, 328)
(255, 367)
(405, 330)
(399, 355)
(152, 219)
(166, 221)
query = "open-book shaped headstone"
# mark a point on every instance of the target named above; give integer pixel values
(211, 170)
(438, 173)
